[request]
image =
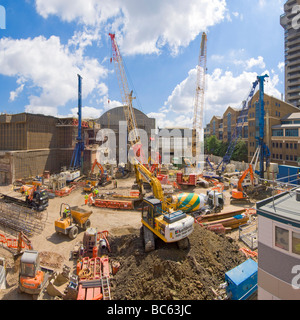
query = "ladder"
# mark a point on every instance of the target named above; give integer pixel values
(105, 288)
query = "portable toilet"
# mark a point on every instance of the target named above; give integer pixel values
(242, 280)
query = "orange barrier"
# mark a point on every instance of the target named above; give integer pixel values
(248, 252)
(13, 243)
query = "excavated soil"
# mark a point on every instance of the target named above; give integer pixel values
(169, 273)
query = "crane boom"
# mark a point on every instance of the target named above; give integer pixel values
(126, 95)
(199, 98)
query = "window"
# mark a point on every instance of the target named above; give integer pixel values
(295, 145)
(281, 238)
(287, 157)
(291, 133)
(277, 132)
(280, 145)
(296, 242)
(287, 145)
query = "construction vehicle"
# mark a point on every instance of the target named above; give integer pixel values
(96, 180)
(71, 219)
(36, 198)
(33, 278)
(160, 216)
(239, 195)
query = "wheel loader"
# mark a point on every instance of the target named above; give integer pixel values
(71, 219)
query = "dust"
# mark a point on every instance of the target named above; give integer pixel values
(169, 273)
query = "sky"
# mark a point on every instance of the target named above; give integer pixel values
(46, 43)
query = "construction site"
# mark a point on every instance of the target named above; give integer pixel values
(75, 228)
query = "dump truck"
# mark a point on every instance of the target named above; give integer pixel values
(71, 219)
(33, 278)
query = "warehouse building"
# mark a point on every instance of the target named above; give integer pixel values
(31, 144)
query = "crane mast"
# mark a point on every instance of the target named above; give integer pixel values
(126, 95)
(198, 132)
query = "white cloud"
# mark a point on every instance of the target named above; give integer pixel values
(281, 66)
(223, 89)
(251, 63)
(50, 69)
(87, 112)
(15, 94)
(141, 26)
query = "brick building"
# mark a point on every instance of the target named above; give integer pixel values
(277, 114)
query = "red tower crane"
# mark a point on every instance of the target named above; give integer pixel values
(127, 98)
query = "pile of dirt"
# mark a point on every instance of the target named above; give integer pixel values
(169, 273)
(51, 259)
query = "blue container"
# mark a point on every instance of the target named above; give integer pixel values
(242, 280)
(288, 174)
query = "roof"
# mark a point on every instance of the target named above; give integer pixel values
(283, 208)
(286, 126)
(292, 116)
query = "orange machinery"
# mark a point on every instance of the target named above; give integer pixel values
(239, 195)
(93, 181)
(32, 277)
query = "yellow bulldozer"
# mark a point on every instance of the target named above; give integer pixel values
(71, 219)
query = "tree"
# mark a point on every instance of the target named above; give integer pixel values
(240, 152)
(212, 145)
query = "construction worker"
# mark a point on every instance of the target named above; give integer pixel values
(96, 192)
(86, 198)
(115, 183)
(66, 212)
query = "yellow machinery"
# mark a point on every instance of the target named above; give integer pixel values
(160, 216)
(72, 218)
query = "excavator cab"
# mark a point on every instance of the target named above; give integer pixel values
(151, 209)
(31, 277)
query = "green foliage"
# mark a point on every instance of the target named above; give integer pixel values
(240, 152)
(218, 148)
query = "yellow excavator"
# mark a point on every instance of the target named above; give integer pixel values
(160, 215)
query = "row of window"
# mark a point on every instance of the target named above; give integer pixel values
(288, 133)
(287, 145)
(287, 157)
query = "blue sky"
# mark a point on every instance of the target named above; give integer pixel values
(46, 43)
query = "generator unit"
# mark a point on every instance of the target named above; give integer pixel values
(242, 281)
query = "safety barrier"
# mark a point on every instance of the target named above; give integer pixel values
(13, 242)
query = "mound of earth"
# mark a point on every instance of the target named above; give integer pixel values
(169, 273)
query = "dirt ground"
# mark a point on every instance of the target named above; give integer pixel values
(166, 273)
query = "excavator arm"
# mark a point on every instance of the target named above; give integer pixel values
(99, 166)
(244, 175)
